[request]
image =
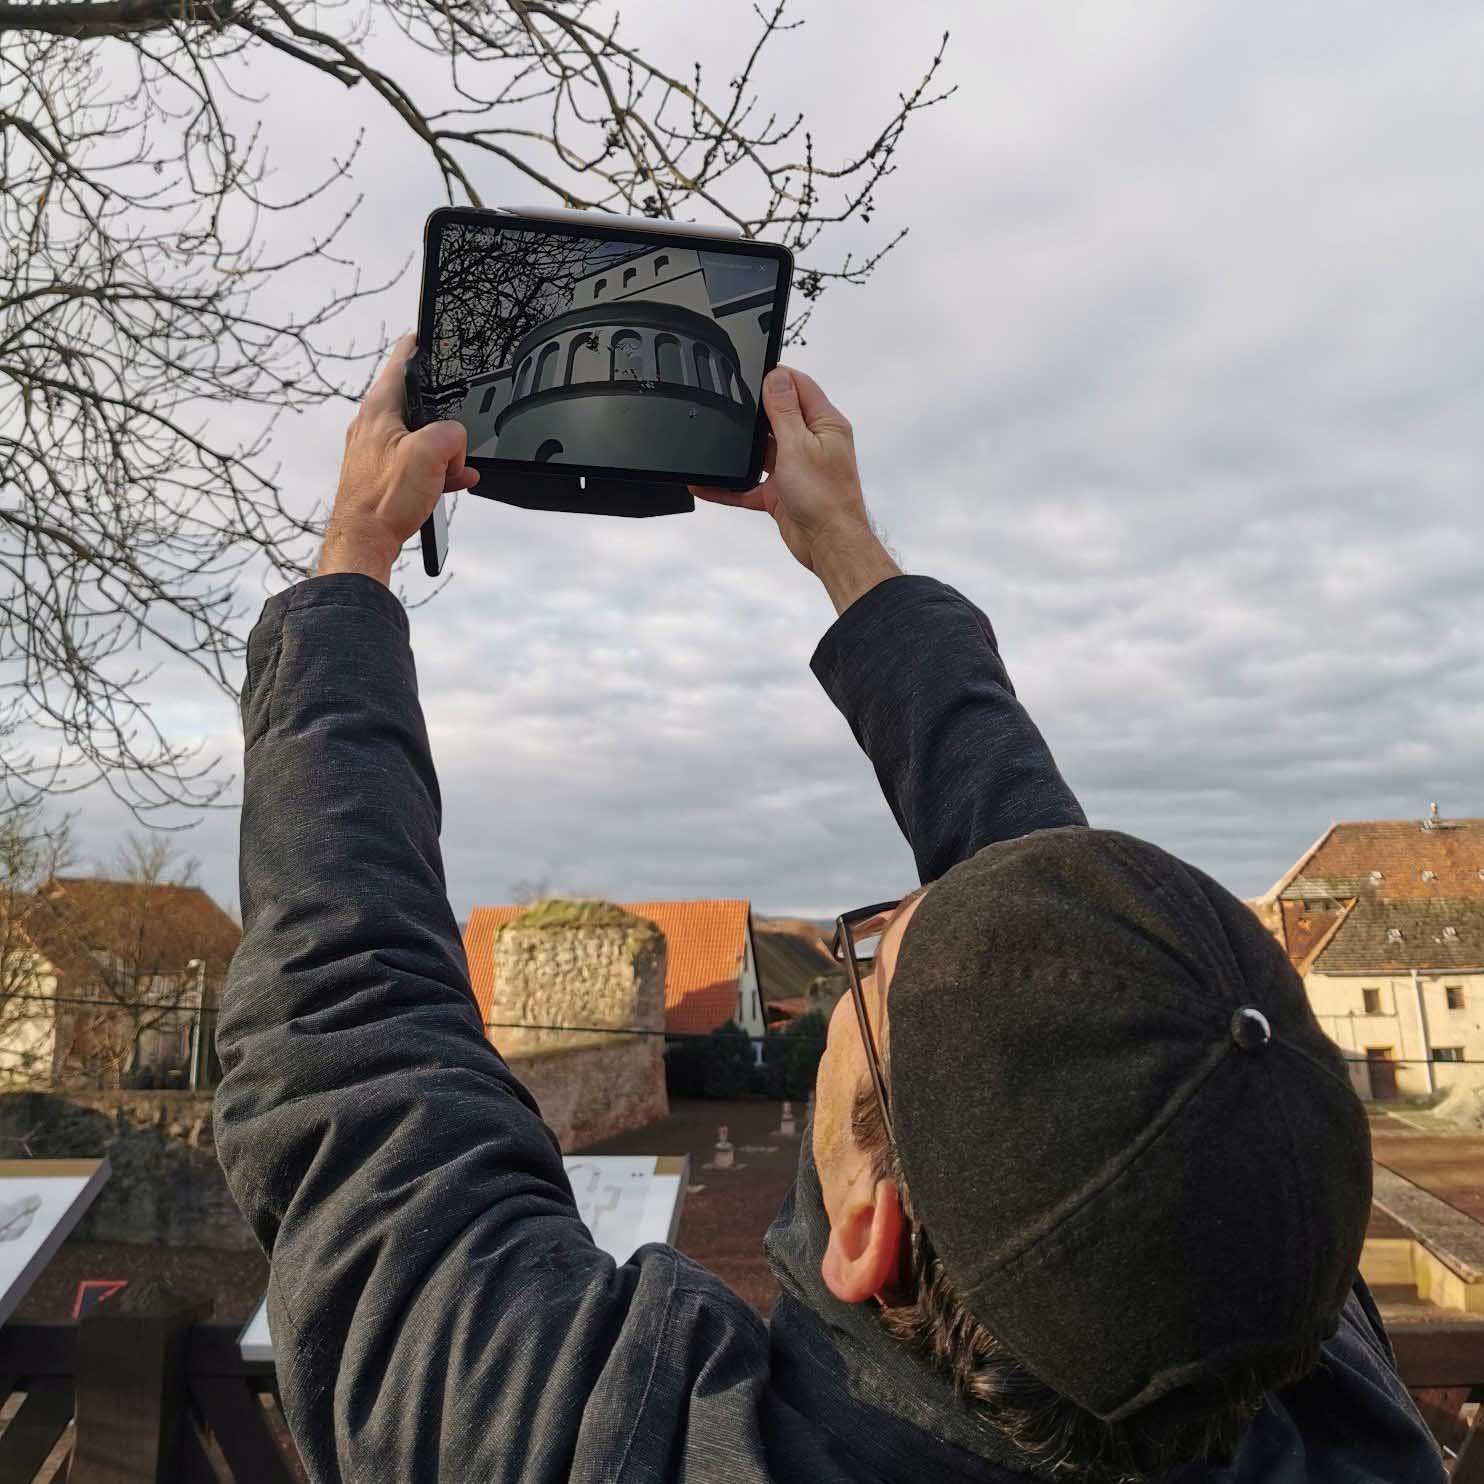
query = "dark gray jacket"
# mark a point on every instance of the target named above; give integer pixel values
(439, 1312)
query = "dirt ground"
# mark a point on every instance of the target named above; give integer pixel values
(726, 1212)
(1447, 1165)
(233, 1281)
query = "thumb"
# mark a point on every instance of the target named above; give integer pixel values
(781, 402)
(442, 443)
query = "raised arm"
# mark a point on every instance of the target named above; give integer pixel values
(432, 1288)
(911, 663)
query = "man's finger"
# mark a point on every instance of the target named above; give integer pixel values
(816, 408)
(446, 443)
(781, 403)
(387, 396)
(745, 500)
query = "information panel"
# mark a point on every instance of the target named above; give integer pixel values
(41, 1200)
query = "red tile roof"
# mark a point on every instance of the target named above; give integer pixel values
(704, 946)
(157, 926)
(1340, 863)
(790, 1009)
(1335, 909)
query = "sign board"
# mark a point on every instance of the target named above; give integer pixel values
(41, 1200)
(625, 1201)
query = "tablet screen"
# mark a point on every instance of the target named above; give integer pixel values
(607, 353)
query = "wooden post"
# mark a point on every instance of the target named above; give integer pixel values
(131, 1388)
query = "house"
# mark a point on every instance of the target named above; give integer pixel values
(1384, 919)
(102, 977)
(710, 962)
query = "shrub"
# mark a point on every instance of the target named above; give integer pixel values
(803, 1046)
(685, 1068)
(730, 1061)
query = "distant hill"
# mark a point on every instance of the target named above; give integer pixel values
(792, 953)
(818, 928)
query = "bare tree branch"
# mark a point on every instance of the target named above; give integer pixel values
(133, 265)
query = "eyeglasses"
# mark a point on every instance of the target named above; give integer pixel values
(857, 937)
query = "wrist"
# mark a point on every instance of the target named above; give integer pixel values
(359, 546)
(850, 560)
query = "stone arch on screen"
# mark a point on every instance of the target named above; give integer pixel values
(626, 358)
(669, 363)
(546, 365)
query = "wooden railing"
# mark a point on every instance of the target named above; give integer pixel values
(149, 1391)
(1442, 1364)
(143, 1391)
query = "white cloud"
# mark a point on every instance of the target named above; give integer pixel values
(1177, 374)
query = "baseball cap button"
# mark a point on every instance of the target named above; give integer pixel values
(1250, 1028)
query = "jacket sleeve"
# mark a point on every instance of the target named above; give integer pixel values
(914, 668)
(437, 1307)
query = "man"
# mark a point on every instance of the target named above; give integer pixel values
(1085, 1188)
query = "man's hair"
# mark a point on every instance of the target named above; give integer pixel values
(931, 1321)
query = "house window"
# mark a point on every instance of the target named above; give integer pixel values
(1447, 1053)
(661, 263)
(599, 286)
(489, 397)
(1372, 1000)
(1454, 994)
(629, 275)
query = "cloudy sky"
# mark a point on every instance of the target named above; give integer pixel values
(1178, 374)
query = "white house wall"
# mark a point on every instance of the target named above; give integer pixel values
(1338, 1001)
(749, 995)
(28, 1042)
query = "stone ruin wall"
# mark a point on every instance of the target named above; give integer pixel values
(598, 967)
(580, 964)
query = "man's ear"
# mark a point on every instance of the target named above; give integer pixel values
(865, 1247)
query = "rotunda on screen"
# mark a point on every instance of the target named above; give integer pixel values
(643, 370)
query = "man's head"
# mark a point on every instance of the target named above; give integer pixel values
(1127, 1179)
(860, 1200)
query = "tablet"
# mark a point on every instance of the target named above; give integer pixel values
(599, 350)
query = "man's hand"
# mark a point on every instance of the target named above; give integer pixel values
(390, 478)
(813, 489)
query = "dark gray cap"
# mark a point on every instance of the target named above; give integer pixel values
(1139, 1158)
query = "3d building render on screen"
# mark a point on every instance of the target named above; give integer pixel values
(571, 350)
